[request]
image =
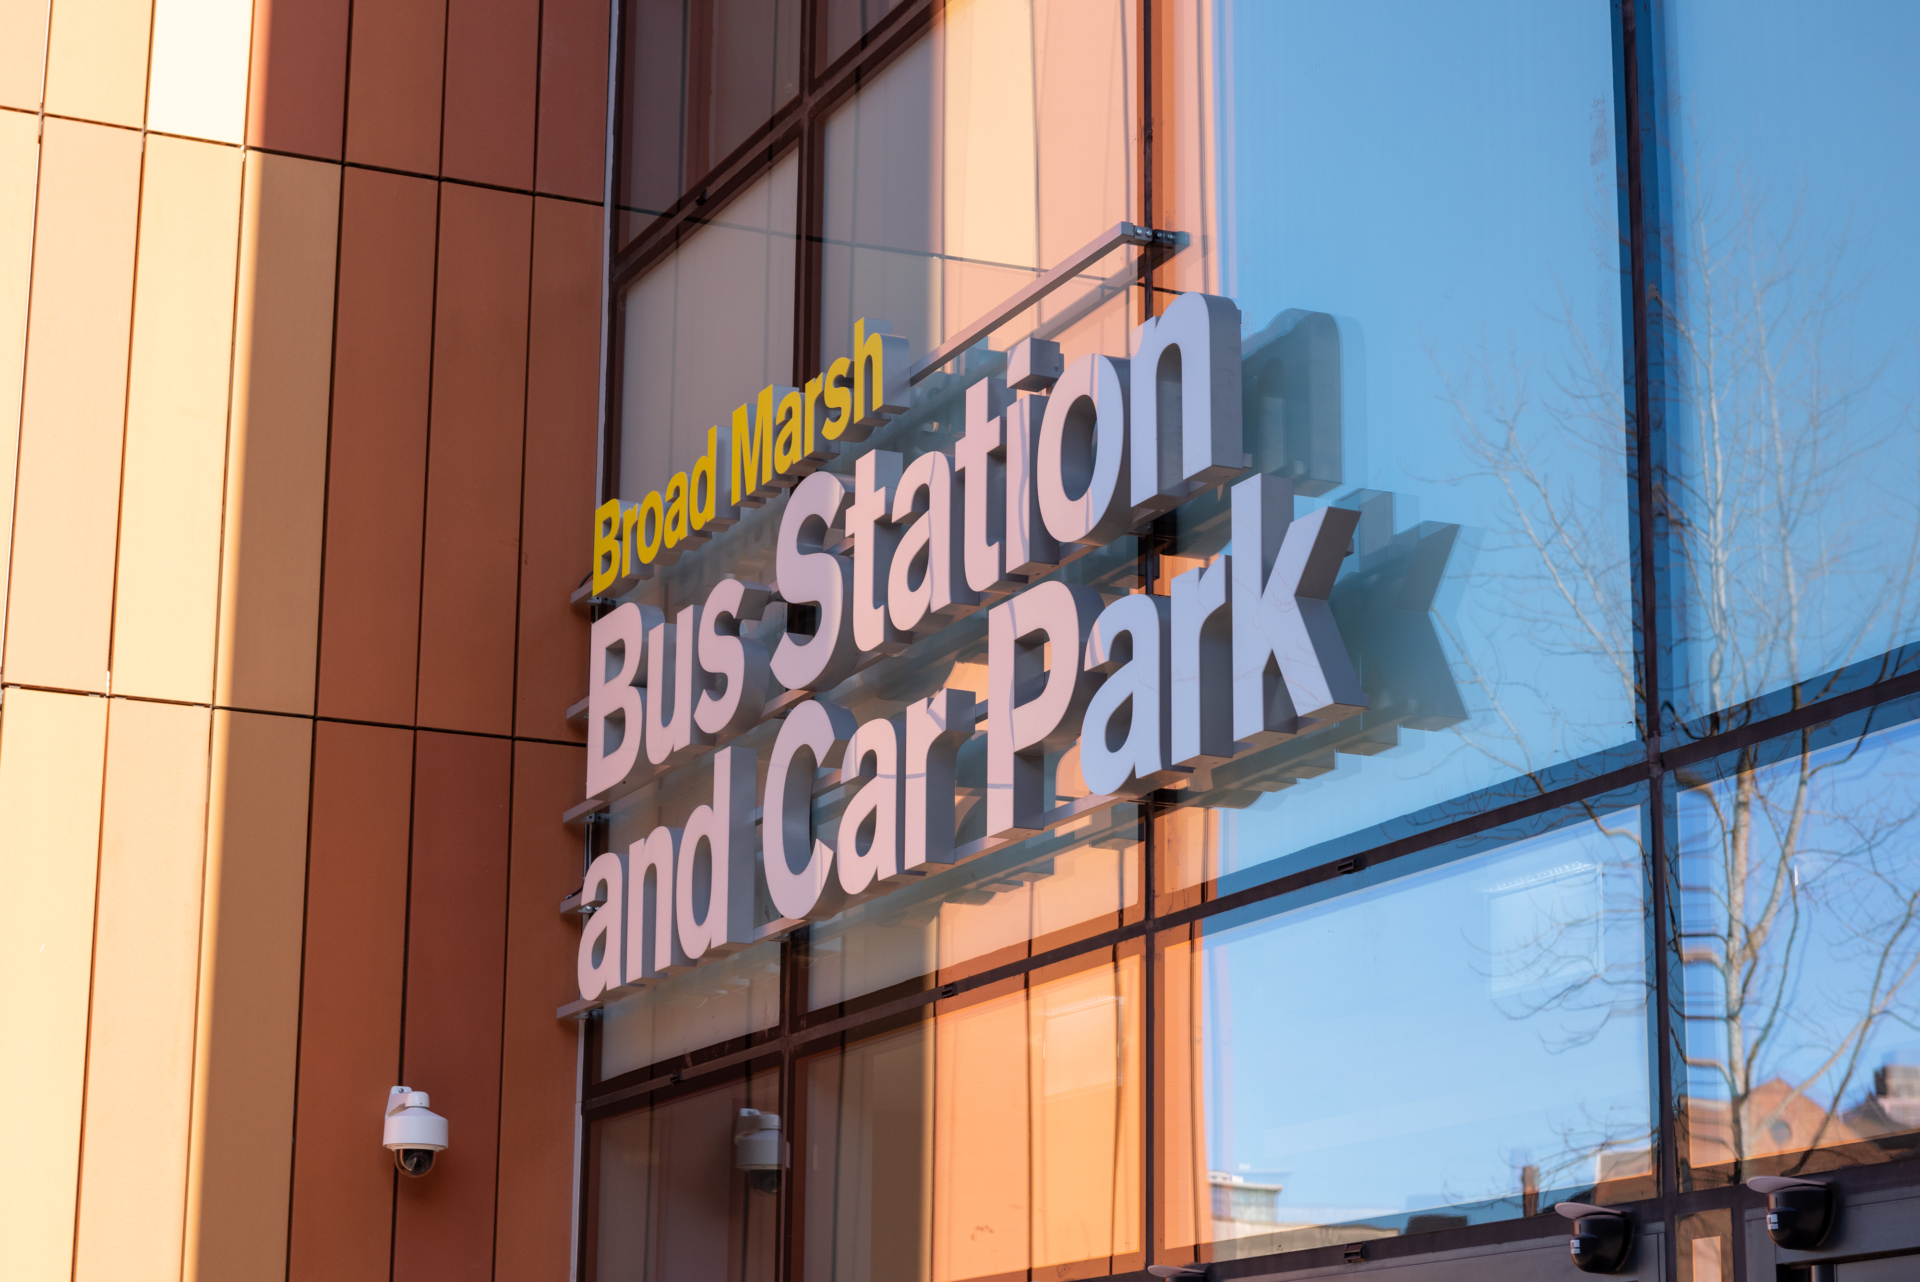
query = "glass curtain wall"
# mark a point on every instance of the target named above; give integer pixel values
(1591, 313)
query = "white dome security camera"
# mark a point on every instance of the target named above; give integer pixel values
(759, 1149)
(413, 1131)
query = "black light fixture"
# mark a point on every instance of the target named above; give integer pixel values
(1799, 1212)
(1602, 1236)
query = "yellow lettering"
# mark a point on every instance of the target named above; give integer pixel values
(838, 398)
(676, 509)
(628, 520)
(751, 451)
(606, 545)
(703, 499)
(645, 548)
(786, 445)
(811, 397)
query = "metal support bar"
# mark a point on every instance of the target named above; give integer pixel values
(1092, 252)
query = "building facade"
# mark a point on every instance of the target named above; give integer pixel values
(300, 313)
(963, 642)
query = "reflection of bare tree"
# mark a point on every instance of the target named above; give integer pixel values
(1773, 462)
(1800, 934)
(1772, 559)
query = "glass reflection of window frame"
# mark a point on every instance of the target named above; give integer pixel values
(1741, 824)
(755, 1084)
(1179, 1091)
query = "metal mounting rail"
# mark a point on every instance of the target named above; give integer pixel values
(1092, 252)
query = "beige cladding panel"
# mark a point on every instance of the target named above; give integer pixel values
(167, 587)
(198, 85)
(241, 1163)
(97, 59)
(52, 747)
(23, 54)
(60, 592)
(146, 963)
(19, 174)
(277, 446)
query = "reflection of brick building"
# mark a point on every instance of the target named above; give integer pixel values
(1893, 1108)
(1778, 1119)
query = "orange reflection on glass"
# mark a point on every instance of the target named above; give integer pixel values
(1001, 1139)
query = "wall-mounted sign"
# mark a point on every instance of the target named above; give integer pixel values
(1244, 653)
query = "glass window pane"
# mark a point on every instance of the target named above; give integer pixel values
(1799, 908)
(1415, 209)
(984, 154)
(998, 1137)
(847, 21)
(701, 76)
(1792, 361)
(706, 328)
(726, 999)
(666, 1201)
(1463, 1044)
(1005, 906)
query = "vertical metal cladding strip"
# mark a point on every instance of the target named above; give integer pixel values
(471, 562)
(52, 756)
(19, 182)
(145, 987)
(240, 1171)
(167, 591)
(377, 449)
(73, 408)
(356, 930)
(532, 1234)
(558, 481)
(97, 60)
(394, 85)
(456, 991)
(277, 439)
(493, 51)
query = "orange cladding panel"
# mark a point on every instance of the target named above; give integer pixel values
(539, 1061)
(492, 54)
(393, 96)
(277, 445)
(473, 468)
(248, 1035)
(167, 591)
(456, 976)
(350, 1003)
(23, 55)
(376, 467)
(19, 176)
(97, 60)
(146, 965)
(297, 100)
(73, 408)
(573, 99)
(563, 372)
(52, 751)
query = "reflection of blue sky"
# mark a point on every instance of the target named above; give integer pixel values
(1790, 135)
(1443, 181)
(1844, 944)
(1398, 1048)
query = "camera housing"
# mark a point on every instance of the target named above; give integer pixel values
(1602, 1237)
(414, 1133)
(1799, 1212)
(759, 1149)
